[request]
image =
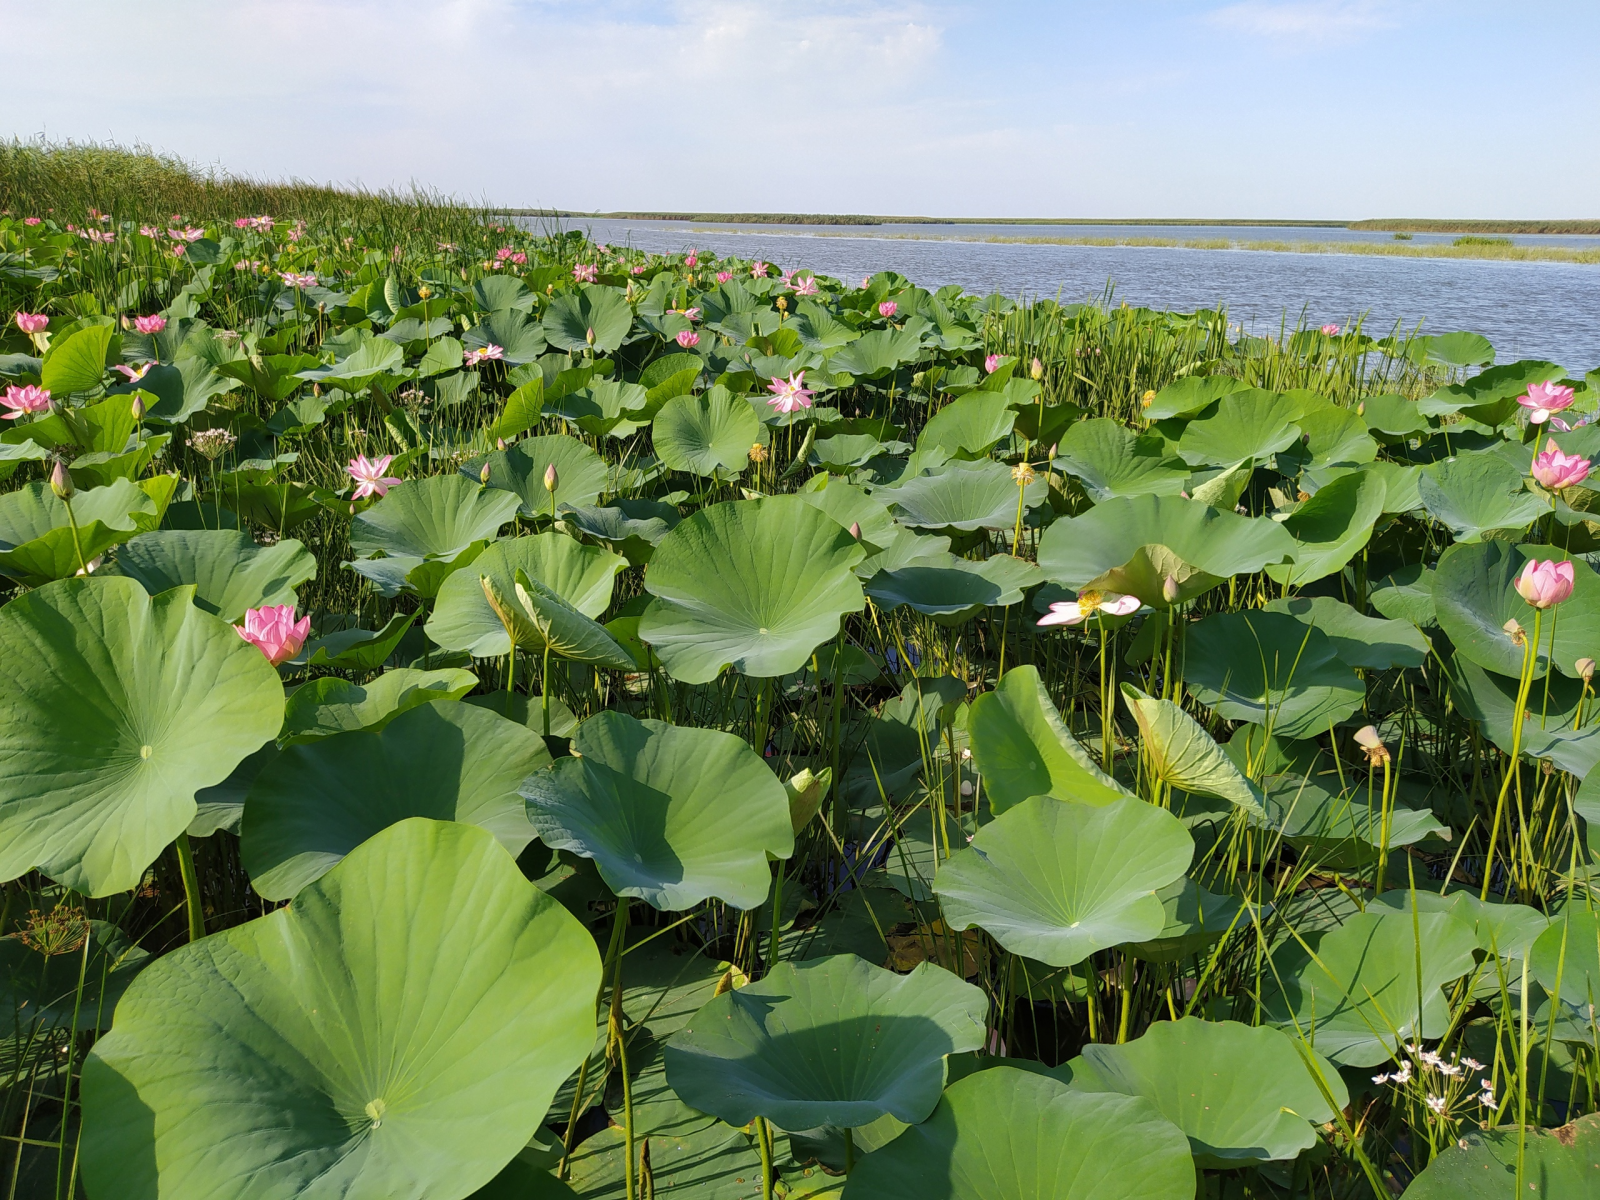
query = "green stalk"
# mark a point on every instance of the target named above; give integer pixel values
(191, 888)
(1516, 749)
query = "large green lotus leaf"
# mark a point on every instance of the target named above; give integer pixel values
(832, 1041)
(1557, 1164)
(36, 542)
(377, 361)
(580, 473)
(539, 620)
(1406, 595)
(631, 526)
(1474, 494)
(1270, 669)
(596, 319)
(1243, 1095)
(77, 362)
(520, 340)
(1250, 424)
(314, 803)
(1359, 641)
(333, 704)
(1195, 918)
(1005, 1134)
(40, 991)
(1022, 748)
(707, 435)
(1354, 994)
(1340, 827)
(1132, 545)
(1331, 528)
(1568, 953)
(1190, 395)
(962, 495)
(1474, 595)
(971, 426)
(670, 815)
(1111, 461)
(1337, 435)
(877, 352)
(755, 584)
(849, 505)
(398, 1031)
(1490, 698)
(604, 408)
(222, 805)
(229, 571)
(1184, 755)
(1057, 882)
(583, 576)
(434, 517)
(116, 707)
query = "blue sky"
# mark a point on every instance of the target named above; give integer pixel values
(1134, 108)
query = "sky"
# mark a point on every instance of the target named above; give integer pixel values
(1287, 109)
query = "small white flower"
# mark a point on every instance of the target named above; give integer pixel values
(1436, 1104)
(1487, 1100)
(1403, 1075)
(1449, 1069)
(1430, 1059)
(1472, 1064)
(1380, 1079)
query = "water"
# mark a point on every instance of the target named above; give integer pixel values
(1526, 309)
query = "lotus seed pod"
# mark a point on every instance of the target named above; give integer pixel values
(551, 478)
(1585, 669)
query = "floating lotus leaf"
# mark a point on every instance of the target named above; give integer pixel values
(333, 705)
(1017, 1135)
(1270, 669)
(1359, 641)
(39, 990)
(581, 474)
(116, 707)
(971, 426)
(709, 434)
(1476, 494)
(1357, 1000)
(670, 815)
(1022, 748)
(832, 1041)
(1249, 424)
(229, 571)
(1394, 415)
(1187, 396)
(1557, 1164)
(1474, 596)
(314, 803)
(1111, 461)
(398, 1031)
(425, 529)
(962, 495)
(755, 584)
(1132, 545)
(583, 576)
(1242, 1095)
(1057, 882)
(377, 362)
(1331, 528)
(1195, 919)
(1184, 756)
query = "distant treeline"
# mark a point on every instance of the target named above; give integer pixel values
(859, 219)
(1408, 225)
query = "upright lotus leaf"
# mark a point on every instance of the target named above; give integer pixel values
(1111, 461)
(580, 473)
(1477, 493)
(1557, 1164)
(1331, 528)
(1250, 424)
(1474, 595)
(604, 408)
(1406, 595)
(1552, 731)
(228, 570)
(1352, 992)
(1057, 882)
(1190, 395)
(1343, 829)
(1243, 1095)
(583, 576)
(377, 362)
(39, 987)
(1568, 953)
(520, 340)
(542, 621)
(1335, 435)
(1022, 748)
(77, 362)
(352, 648)
(849, 505)
(630, 526)
(37, 544)
(1195, 919)
(971, 426)
(116, 707)
(1005, 1134)
(962, 495)
(596, 319)
(436, 517)
(755, 584)
(398, 1031)
(333, 704)
(314, 803)
(1359, 641)
(831, 1041)
(1269, 669)
(709, 434)
(670, 815)
(1184, 756)
(1133, 545)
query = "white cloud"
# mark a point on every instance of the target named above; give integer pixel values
(1301, 21)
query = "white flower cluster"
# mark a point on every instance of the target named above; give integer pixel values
(1433, 1065)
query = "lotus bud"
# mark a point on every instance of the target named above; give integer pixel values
(499, 443)
(1037, 370)
(855, 532)
(60, 481)
(138, 406)
(589, 336)
(1169, 589)
(1585, 669)
(424, 291)
(1367, 738)
(1361, 409)
(1054, 446)
(783, 304)
(483, 475)
(551, 478)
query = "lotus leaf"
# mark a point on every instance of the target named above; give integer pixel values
(1491, 699)
(1557, 1164)
(228, 571)
(1189, 395)
(356, 649)
(1247, 424)
(520, 340)
(1359, 641)
(1270, 669)
(1474, 595)
(630, 526)
(1331, 528)
(580, 473)
(971, 426)
(1406, 595)
(436, 517)
(962, 495)
(709, 434)
(1337, 435)
(36, 540)
(1195, 919)
(540, 621)
(596, 319)
(1111, 461)
(1184, 756)
(1477, 494)
(1022, 748)
(1568, 953)
(333, 705)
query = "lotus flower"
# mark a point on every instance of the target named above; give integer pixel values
(299, 281)
(1331, 330)
(758, 270)
(30, 220)
(273, 630)
(1556, 470)
(887, 309)
(691, 314)
(586, 273)
(189, 234)
(1545, 582)
(489, 353)
(807, 286)
(789, 394)
(24, 400)
(150, 231)
(134, 374)
(692, 260)
(688, 339)
(1544, 399)
(369, 476)
(724, 276)
(31, 323)
(1075, 612)
(638, 270)
(990, 363)
(153, 324)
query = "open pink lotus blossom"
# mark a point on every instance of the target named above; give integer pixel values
(1331, 330)
(789, 394)
(1556, 470)
(188, 234)
(1545, 582)
(724, 276)
(298, 281)
(103, 237)
(32, 322)
(150, 231)
(31, 220)
(990, 363)
(273, 630)
(24, 400)
(134, 374)
(692, 260)
(1075, 612)
(806, 286)
(887, 309)
(252, 223)
(758, 270)
(151, 324)
(489, 353)
(638, 270)
(688, 339)
(691, 314)
(369, 476)
(586, 272)
(1545, 399)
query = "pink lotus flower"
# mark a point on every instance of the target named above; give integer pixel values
(189, 234)
(1331, 330)
(638, 270)
(30, 220)
(1556, 470)
(586, 273)
(489, 353)
(990, 363)
(790, 394)
(252, 223)
(369, 476)
(692, 260)
(178, 251)
(724, 276)
(758, 270)
(134, 374)
(151, 324)
(1547, 582)
(32, 322)
(24, 400)
(691, 314)
(150, 231)
(1545, 399)
(103, 237)
(246, 264)
(807, 286)
(688, 339)
(298, 281)
(1075, 612)
(273, 630)
(887, 309)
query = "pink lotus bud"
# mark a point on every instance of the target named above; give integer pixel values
(138, 406)
(1545, 582)
(855, 530)
(551, 478)
(273, 630)
(1332, 331)
(483, 475)
(1556, 470)
(31, 323)
(1170, 590)
(499, 443)
(887, 309)
(724, 276)
(61, 481)
(1036, 372)
(990, 363)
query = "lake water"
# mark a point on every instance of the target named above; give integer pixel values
(1527, 310)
